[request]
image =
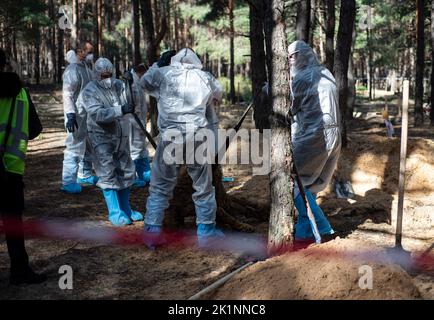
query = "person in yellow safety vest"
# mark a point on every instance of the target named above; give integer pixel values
(19, 123)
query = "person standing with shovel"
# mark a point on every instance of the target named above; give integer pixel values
(316, 136)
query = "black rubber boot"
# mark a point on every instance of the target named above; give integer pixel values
(26, 276)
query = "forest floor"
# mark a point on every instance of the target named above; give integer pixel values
(105, 269)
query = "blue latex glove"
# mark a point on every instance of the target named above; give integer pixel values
(71, 123)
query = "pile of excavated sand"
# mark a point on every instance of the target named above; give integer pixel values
(333, 270)
(371, 164)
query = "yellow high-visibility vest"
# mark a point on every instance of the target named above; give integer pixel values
(16, 147)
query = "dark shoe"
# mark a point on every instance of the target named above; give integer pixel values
(26, 277)
(330, 237)
(153, 236)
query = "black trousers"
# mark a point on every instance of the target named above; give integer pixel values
(11, 208)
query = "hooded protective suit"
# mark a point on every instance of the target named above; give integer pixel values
(184, 93)
(76, 155)
(315, 131)
(71, 57)
(138, 138)
(139, 151)
(108, 131)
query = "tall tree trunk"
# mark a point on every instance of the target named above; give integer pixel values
(14, 46)
(369, 62)
(280, 234)
(43, 53)
(148, 27)
(432, 63)
(116, 8)
(343, 50)
(258, 69)
(176, 17)
(152, 50)
(351, 80)
(322, 37)
(52, 43)
(303, 20)
(168, 39)
(49, 55)
(96, 33)
(420, 62)
(8, 45)
(151, 55)
(75, 23)
(157, 13)
(136, 33)
(232, 52)
(313, 21)
(37, 60)
(99, 45)
(329, 20)
(108, 16)
(60, 54)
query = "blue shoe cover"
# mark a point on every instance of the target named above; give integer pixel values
(152, 229)
(136, 216)
(71, 188)
(138, 183)
(116, 216)
(303, 228)
(92, 180)
(124, 201)
(207, 234)
(143, 169)
(153, 236)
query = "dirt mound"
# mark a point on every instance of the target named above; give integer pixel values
(330, 271)
(373, 161)
(371, 164)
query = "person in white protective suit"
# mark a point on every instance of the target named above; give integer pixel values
(108, 128)
(315, 130)
(77, 164)
(71, 57)
(184, 93)
(139, 151)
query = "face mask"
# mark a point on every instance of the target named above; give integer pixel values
(293, 59)
(106, 83)
(89, 57)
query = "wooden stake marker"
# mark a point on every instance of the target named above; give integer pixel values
(401, 186)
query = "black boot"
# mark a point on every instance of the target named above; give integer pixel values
(25, 276)
(20, 270)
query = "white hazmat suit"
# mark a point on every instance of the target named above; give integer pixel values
(315, 131)
(76, 155)
(108, 131)
(184, 93)
(138, 148)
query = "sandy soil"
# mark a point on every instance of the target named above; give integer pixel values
(330, 270)
(365, 223)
